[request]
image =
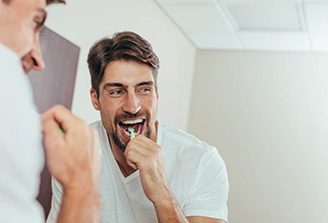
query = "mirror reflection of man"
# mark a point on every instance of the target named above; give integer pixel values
(71, 145)
(151, 172)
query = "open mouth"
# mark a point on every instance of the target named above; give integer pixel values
(136, 125)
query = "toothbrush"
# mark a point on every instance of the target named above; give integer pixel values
(131, 131)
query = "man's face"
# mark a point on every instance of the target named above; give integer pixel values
(127, 99)
(20, 24)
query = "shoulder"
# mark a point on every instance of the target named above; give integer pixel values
(101, 132)
(186, 145)
(99, 128)
(180, 137)
(10, 65)
(97, 125)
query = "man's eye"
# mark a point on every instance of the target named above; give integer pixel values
(145, 90)
(116, 92)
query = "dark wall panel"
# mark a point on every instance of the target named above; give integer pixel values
(54, 85)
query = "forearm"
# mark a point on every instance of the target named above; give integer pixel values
(169, 211)
(79, 207)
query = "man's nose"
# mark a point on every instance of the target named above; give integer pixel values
(131, 104)
(36, 56)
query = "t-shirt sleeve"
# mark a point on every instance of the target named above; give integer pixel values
(57, 194)
(209, 195)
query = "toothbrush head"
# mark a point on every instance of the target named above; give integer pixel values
(131, 131)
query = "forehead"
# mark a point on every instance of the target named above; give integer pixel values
(127, 72)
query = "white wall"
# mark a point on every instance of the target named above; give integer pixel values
(84, 22)
(268, 115)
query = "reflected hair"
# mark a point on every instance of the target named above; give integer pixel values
(47, 1)
(55, 1)
(127, 46)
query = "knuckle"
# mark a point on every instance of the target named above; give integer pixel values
(156, 151)
(59, 107)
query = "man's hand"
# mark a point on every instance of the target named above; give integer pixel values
(72, 149)
(144, 154)
(73, 156)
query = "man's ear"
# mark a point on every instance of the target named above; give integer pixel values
(94, 99)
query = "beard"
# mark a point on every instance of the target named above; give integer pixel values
(121, 145)
(113, 132)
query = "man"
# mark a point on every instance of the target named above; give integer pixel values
(71, 145)
(151, 172)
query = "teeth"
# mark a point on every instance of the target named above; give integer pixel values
(131, 122)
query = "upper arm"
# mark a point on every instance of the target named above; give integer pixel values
(21, 156)
(210, 192)
(199, 219)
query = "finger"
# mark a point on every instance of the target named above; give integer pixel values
(146, 147)
(51, 130)
(144, 140)
(96, 154)
(53, 141)
(131, 164)
(49, 113)
(62, 115)
(138, 147)
(134, 158)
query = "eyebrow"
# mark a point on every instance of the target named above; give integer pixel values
(145, 83)
(114, 84)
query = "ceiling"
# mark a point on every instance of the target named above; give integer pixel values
(277, 25)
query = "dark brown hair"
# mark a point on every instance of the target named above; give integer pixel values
(127, 46)
(47, 1)
(55, 1)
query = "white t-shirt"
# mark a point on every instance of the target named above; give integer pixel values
(21, 156)
(195, 171)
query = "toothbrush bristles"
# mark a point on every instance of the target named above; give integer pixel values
(131, 132)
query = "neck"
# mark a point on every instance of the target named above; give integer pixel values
(126, 170)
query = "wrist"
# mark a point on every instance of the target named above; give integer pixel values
(162, 196)
(83, 198)
(80, 206)
(81, 191)
(168, 210)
